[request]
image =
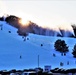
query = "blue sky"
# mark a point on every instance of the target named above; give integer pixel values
(46, 12)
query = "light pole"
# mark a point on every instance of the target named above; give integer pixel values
(38, 61)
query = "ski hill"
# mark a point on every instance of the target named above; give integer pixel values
(12, 46)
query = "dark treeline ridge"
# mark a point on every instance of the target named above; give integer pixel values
(32, 28)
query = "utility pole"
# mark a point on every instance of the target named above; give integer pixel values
(38, 61)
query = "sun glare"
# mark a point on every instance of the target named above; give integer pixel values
(24, 18)
(23, 21)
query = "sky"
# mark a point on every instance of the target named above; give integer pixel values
(42, 12)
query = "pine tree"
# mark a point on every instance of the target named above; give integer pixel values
(57, 44)
(74, 51)
(61, 46)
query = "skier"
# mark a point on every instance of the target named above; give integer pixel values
(20, 56)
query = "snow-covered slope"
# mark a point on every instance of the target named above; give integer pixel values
(12, 47)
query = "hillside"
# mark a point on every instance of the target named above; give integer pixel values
(12, 46)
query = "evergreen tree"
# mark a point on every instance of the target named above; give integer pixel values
(57, 44)
(61, 46)
(74, 51)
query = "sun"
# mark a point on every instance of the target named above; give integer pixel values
(24, 18)
(24, 21)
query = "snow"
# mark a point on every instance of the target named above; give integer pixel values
(12, 47)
